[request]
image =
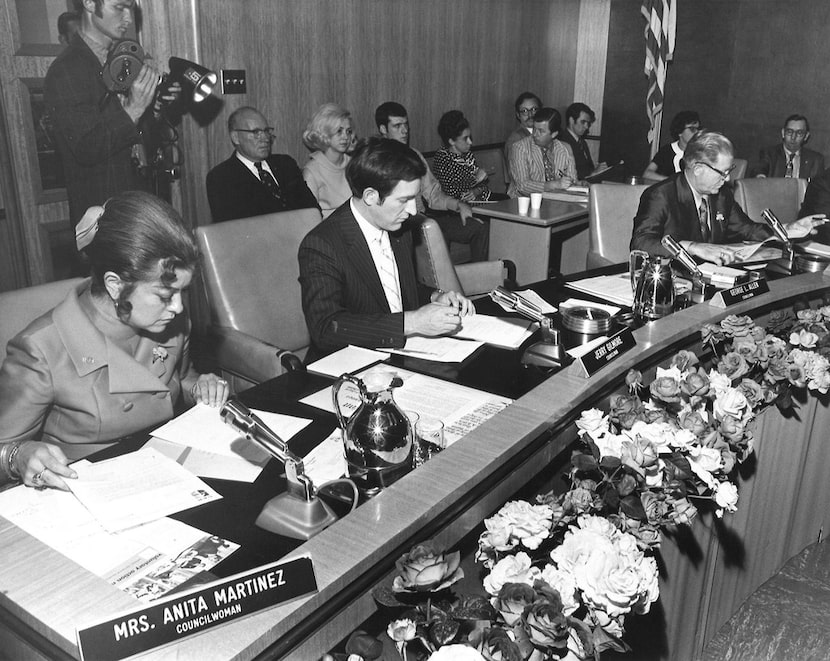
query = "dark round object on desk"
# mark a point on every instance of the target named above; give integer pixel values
(808, 263)
(583, 324)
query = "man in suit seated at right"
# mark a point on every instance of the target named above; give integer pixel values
(357, 269)
(253, 181)
(698, 211)
(790, 158)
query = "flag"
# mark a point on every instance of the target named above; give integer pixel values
(659, 33)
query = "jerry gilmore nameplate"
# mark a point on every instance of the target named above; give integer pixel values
(187, 613)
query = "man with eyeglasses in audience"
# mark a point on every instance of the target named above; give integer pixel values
(790, 158)
(699, 211)
(527, 105)
(253, 181)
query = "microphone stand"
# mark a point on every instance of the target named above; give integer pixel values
(298, 513)
(547, 353)
(786, 262)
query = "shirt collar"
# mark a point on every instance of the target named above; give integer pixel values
(370, 232)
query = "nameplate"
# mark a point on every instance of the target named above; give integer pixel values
(173, 618)
(590, 363)
(744, 292)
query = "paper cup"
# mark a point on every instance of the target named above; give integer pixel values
(535, 200)
(524, 205)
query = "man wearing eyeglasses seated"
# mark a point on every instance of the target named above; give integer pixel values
(253, 181)
(696, 209)
(790, 158)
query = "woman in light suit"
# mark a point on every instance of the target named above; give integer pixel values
(112, 358)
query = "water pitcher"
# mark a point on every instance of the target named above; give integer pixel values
(653, 285)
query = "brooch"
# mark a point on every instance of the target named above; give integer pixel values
(719, 217)
(159, 353)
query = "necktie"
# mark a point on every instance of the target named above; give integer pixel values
(270, 183)
(790, 168)
(586, 152)
(550, 175)
(387, 272)
(704, 221)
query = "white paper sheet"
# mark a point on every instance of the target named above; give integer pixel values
(460, 408)
(346, 361)
(578, 302)
(136, 488)
(612, 288)
(532, 297)
(327, 461)
(439, 349)
(498, 331)
(209, 464)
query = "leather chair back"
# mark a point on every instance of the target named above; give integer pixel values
(251, 276)
(739, 172)
(611, 211)
(18, 308)
(784, 196)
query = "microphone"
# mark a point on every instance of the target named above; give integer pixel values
(512, 301)
(297, 513)
(776, 226)
(682, 255)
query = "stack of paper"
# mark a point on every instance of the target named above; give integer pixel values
(499, 332)
(613, 288)
(439, 349)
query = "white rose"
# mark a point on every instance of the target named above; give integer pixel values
(512, 569)
(610, 445)
(718, 382)
(726, 496)
(565, 584)
(704, 462)
(672, 372)
(456, 653)
(528, 523)
(593, 422)
(731, 402)
(659, 434)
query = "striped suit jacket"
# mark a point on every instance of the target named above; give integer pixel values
(343, 299)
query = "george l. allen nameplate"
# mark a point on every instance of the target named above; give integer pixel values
(187, 613)
(727, 297)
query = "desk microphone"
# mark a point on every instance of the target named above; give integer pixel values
(682, 255)
(776, 226)
(515, 303)
(297, 513)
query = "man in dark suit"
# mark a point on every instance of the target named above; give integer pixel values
(696, 209)
(98, 135)
(357, 269)
(578, 119)
(253, 181)
(790, 158)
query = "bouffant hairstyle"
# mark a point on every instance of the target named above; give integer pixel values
(322, 126)
(680, 120)
(140, 238)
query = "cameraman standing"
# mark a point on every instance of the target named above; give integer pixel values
(98, 135)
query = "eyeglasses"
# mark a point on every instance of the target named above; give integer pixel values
(723, 173)
(800, 133)
(692, 127)
(258, 133)
(528, 111)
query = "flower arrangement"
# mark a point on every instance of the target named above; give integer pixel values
(561, 574)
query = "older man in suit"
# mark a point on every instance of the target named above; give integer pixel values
(357, 267)
(697, 210)
(253, 181)
(98, 135)
(790, 158)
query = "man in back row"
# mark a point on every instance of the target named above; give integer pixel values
(462, 227)
(698, 211)
(578, 119)
(790, 158)
(539, 162)
(357, 269)
(253, 181)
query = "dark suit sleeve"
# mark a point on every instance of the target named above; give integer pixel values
(740, 227)
(328, 293)
(90, 134)
(763, 165)
(297, 193)
(817, 197)
(817, 168)
(650, 222)
(222, 205)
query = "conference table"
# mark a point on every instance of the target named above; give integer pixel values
(44, 596)
(533, 240)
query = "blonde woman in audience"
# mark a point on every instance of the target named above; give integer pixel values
(329, 136)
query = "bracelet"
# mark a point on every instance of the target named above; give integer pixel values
(13, 472)
(8, 454)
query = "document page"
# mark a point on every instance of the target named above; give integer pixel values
(439, 349)
(346, 361)
(613, 288)
(136, 488)
(498, 331)
(460, 408)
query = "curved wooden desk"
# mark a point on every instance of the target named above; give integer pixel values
(46, 596)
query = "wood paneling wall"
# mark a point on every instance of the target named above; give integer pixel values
(430, 55)
(744, 65)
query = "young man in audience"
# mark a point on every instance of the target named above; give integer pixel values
(790, 158)
(462, 227)
(253, 181)
(527, 105)
(579, 119)
(698, 211)
(539, 162)
(357, 269)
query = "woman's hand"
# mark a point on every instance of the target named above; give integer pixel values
(211, 390)
(42, 465)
